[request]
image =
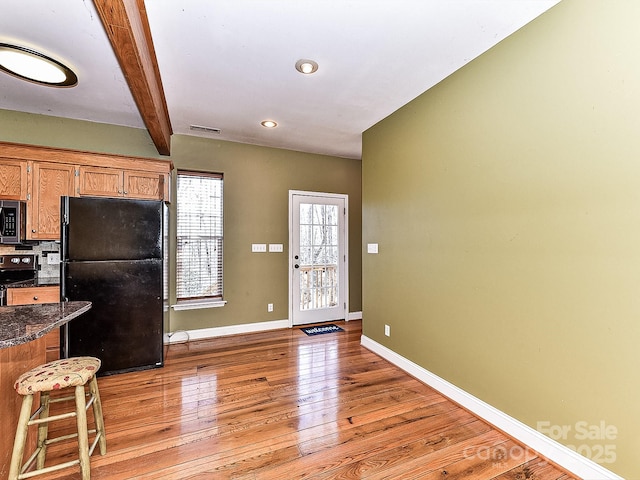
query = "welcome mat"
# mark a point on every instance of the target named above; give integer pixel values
(319, 330)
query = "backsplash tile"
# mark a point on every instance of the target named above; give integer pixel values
(42, 250)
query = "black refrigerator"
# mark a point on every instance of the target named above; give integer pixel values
(112, 254)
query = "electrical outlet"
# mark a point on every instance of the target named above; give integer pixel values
(269, 307)
(53, 258)
(387, 330)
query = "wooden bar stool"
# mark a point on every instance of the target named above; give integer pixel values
(70, 372)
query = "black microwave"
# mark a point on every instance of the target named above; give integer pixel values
(12, 222)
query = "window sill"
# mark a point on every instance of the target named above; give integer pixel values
(198, 304)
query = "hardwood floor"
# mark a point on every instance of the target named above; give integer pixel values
(283, 405)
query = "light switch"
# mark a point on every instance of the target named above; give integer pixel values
(258, 247)
(372, 248)
(275, 247)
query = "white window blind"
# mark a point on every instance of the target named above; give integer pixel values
(199, 236)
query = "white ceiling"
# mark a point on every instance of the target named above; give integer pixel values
(229, 64)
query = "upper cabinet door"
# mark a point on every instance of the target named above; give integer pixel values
(13, 179)
(116, 182)
(143, 185)
(101, 182)
(50, 182)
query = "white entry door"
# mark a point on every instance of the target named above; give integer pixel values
(318, 273)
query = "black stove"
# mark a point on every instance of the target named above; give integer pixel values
(16, 268)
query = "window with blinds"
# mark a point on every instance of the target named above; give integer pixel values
(199, 236)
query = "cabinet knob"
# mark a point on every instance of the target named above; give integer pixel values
(33, 231)
(35, 297)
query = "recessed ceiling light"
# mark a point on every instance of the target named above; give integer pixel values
(35, 67)
(268, 124)
(306, 66)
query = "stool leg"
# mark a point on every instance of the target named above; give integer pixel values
(43, 430)
(83, 436)
(21, 437)
(97, 415)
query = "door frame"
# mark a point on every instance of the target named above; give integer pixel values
(345, 239)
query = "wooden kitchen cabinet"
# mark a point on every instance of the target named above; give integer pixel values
(100, 182)
(13, 179)
(52, 345)
(33, 295)
(113, 182)
(41, 175)
(49, 181)
(14, 361)
(144, 185)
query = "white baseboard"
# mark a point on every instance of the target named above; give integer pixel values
(181, 336)
(554, 451)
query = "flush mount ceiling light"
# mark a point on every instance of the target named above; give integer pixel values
(35, 67)
(306, 67)
(268, 124)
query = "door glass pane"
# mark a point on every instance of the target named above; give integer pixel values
(305, 256)
(318, 236)
(305, 235)
(305, 214)
(332, 255)
(332, 236)
(318, 256)
(318, 214)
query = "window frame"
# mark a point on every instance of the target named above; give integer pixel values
(200, 301)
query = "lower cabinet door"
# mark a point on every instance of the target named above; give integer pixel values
(34, 295)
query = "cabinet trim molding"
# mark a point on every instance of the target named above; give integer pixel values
(63, 155)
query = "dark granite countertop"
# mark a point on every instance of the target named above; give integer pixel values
(24, 323)
(35, 282)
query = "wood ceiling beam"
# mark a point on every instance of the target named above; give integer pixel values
(128, 30)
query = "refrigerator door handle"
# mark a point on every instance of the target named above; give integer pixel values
(64, 341)
(63, 282)
(64, 229)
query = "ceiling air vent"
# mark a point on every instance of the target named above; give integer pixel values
(200, 128)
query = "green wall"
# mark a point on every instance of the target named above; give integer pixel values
(257, 181)
(506, 205)
(256, 200)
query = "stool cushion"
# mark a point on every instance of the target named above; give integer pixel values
(63, 373)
